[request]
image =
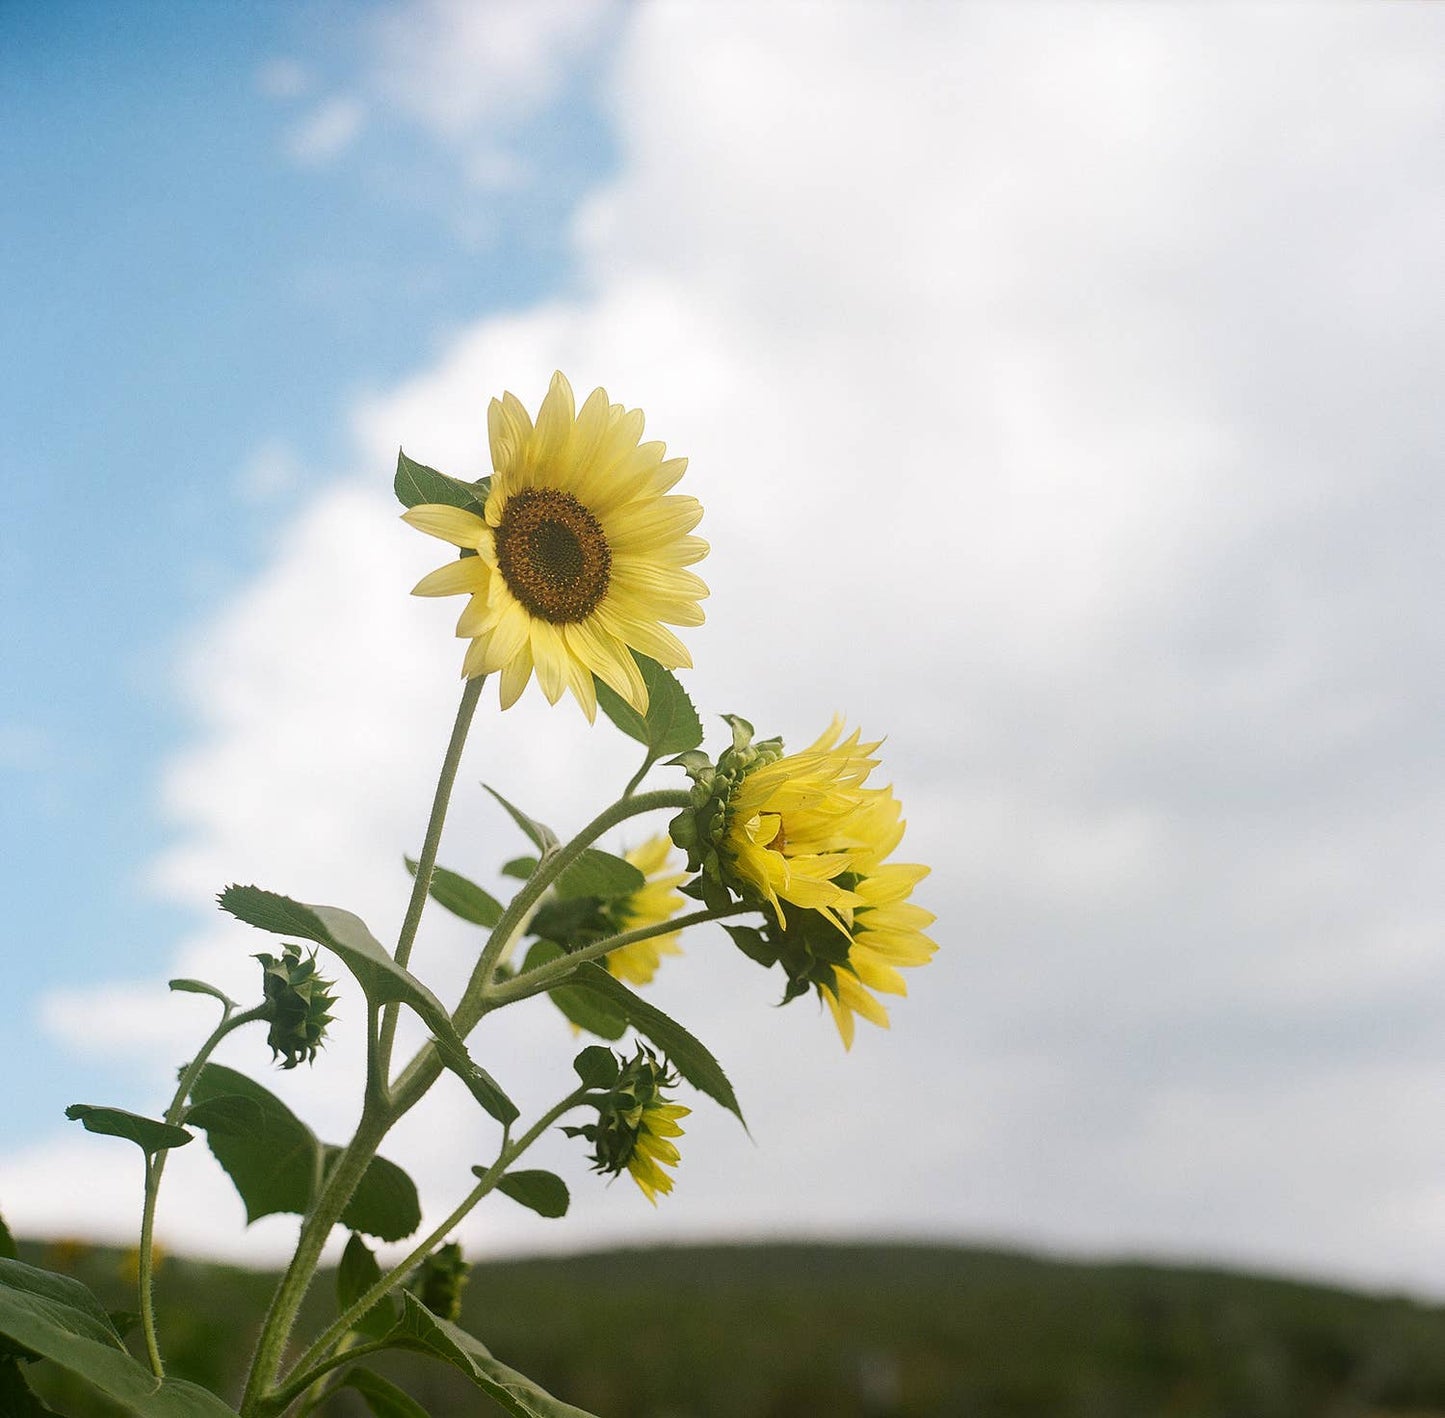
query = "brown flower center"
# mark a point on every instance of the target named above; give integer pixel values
(553, 555)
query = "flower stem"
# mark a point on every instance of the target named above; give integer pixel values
(307, 1369)
(472, 1005)
(632, 783)
(545, 977)
(426, 863)
(156, 1166)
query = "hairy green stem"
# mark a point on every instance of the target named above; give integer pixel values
(632, 783)
(426, 862)
(504, 933)
(289, 1392)
(545, 977)
(156, 1166)
(398, 1272)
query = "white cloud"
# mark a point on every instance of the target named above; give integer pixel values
(327, 131)
(1057, 383)
(283, 78)
(271, 472)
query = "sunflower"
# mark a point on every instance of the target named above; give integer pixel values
(636, 1124)
(581, 552)
(797, 824)
(650, 904)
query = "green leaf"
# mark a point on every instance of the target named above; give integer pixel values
(200, 987)
(7, 1242)
(480, 1084)
(460, 896)
(270, 1155)
(382, 979)
(670, 725)
(542, 1192)
(382, 1396)
(356, 1274)
(16, 1399)
(421, 1330)
(596, 1066)
(600, 874)
(542, 836)
(151, 1136)
(692, 1058)
(519, 868)
(415, 483)
(60, 1320)
(580, 1007)
(385, 1203)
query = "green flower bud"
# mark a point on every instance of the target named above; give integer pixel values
(440, 1279)
(297, 1001)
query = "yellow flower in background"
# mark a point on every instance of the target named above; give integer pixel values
(796, 824)
(651, 904)
(582, 552)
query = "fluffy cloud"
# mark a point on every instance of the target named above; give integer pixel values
(1055, 380)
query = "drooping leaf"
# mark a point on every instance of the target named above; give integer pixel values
(480, 1084)
(519, 868)
(272, 1158)
(200, 987)
(542, 1192)
(382, 1396)
(600, 874)
(60, 1320)
(688, 1054)
(421, 1330)
(671, 724)
(581, 1007)
(461, 897)
(596, 1066)
(356, 1274)
(542, 836)
(384, 1204)
(148, 1134)
(415, 483)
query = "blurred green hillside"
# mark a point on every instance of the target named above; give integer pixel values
(823, 1331)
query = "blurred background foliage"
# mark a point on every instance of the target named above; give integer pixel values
(827, 1331)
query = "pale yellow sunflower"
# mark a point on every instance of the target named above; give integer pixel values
(796, 824)
(653, 1148)
(582, 552)
(650, 904)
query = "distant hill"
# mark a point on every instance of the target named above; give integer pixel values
(827, 1331)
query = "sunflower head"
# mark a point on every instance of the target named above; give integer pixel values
(581, 552)
(298, 1003)
(701, 827)
(440, 1279)
(636, 1124)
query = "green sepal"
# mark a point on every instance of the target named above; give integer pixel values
(58, 1319)
(753, 943)
(382, 1396)
(596, 1067)
(148, 1134)
(461, 897)
(416, 484)
(427, 1333)
(356, 1274)
(542, 1192)
(671, 724)
(580, 1007)
(688, 1054)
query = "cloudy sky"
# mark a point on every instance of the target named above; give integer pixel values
(1062, 386)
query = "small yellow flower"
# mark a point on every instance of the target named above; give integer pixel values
(652, 903)
(636, 1124)
(581, 552)
(653, 1149)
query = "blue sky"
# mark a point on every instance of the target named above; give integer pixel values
(183, 293)
(1055, 381)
